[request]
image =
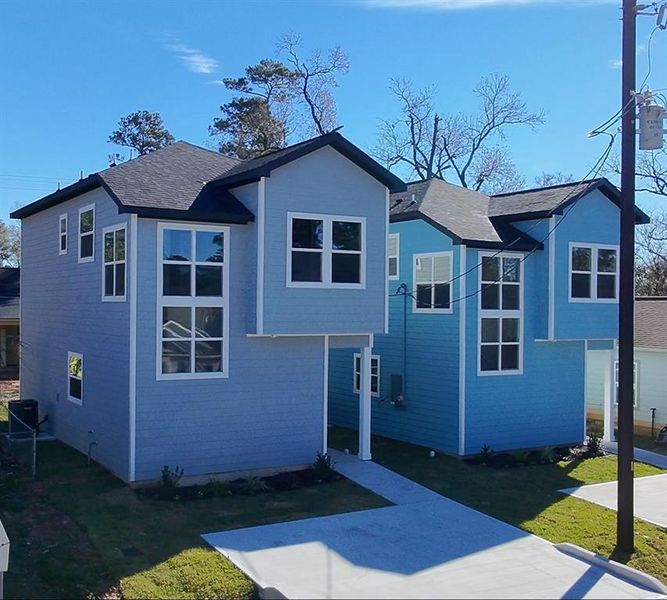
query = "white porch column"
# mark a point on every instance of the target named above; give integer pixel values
(609, 397)
(365, 405)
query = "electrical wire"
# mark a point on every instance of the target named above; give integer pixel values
(649, 57)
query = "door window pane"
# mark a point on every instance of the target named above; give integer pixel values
(346, 268)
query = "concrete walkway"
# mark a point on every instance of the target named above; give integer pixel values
(426, 546)
(650, 494)
(645, 456)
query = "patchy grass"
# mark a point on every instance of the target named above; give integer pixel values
(78, 531)
(527, 496)
(648, 443)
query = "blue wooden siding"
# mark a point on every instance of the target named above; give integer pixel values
(268, 413)
(430, 415)
(62, 311)
(327, 183)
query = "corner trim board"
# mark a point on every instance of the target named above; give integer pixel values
(133, 348)
(462, 350)
(261, 198)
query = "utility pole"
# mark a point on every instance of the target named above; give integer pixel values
(625, 505)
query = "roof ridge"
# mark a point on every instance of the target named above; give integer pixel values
(547, 187)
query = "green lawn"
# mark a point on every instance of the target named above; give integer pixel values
(79, 532)
(527, 497)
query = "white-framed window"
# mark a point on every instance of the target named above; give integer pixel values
(326, 251)
(75, 377)
(87, 234)
(114, 271)
(375, 374)
(593, 273)
(62, 234)
(635, 381)
(393, 255)
(193, 301)
(500, 314)
(432, 282)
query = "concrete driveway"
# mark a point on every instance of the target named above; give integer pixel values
(426, 546)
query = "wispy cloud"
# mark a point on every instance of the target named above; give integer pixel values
(193, 58)
(469, 4)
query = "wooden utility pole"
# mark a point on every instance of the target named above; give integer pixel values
(625, 513)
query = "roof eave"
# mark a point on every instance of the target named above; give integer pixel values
(172, 214)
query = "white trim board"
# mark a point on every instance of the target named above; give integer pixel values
(132, 403)
(261, 199)
(462, 347)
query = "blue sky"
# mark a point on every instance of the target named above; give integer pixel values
(71, 69)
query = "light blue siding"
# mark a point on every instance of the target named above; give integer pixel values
(430, 352)
(62, 311)
(323, 182)
(268, 413)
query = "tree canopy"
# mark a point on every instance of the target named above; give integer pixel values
(143, 131)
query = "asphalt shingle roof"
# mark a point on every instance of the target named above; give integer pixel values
(10, 289)
(651, 322)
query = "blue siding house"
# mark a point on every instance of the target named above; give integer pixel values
(494, 302)
(178, 309)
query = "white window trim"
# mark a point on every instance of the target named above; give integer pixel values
(635, 383)
(72, 399)
(114, 228)
(62, 234)
(433, 311)
(326, 252)
(355, 389)
(397, 256)
(500, 314)
(593, 273)
(84, 209)
(193, 301)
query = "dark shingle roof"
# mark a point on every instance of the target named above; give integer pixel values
(10, 289)
(459, 212)
(651, 322)
(542, 202)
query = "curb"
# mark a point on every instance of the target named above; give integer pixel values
(635, 576)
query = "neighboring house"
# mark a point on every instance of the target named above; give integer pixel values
(504, 296)
(10, 290)
(177, 309)
(650, 369)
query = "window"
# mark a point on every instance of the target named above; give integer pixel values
(635, 368)
(114, 277)
(75, 377)
(193, 308)
(87, 234)
(375, 374)
(62, 234)
(326, 251)
(500, 318)
(393, 255)
(432, 283)
(593, 273)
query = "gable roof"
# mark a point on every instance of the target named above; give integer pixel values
(184, 181)
(651, 322)
(10, 289)
(460, 213)
(543, 202)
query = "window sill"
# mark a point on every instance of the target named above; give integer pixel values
(114, 298)
(593, 300)
(190, 376)
(499, 373)
(75, 400)
(88, 259)
(326, 286)
(433, 311)
(373, 394)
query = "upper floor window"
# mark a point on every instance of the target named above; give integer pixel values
(75, 377)
(87, 233)
(62, 234)
(393, 246)
(326, 251)
(114, 275)
(593, 273)
(193, 304)
(500, 315)
(375, 374)
(432, 282)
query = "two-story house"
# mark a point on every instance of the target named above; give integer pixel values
(178, 309)
(494, 302)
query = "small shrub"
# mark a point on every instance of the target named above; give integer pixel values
(324, 467)
(594, 445)
(169, 482)
(252, 486)
(486, 454)
(548, 455)
(218, 489)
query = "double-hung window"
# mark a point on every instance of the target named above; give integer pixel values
(87, 234)
(193, 301)
(593, 273)
(326, 251)
(114, 274)
(375, 374)
(62, 234)
(635, 368)
(432, 282)
(393, 248)
(75, 377)
(500, 314)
